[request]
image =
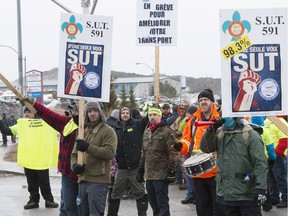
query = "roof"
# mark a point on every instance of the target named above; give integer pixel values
(136, 80)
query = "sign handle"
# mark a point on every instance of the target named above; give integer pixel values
(17, 93)
(279, 124)
(80, 155)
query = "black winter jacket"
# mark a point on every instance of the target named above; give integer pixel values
(129, 142)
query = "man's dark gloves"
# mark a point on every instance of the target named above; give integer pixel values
(140, 175)
(171, 176)
(81, 145)
(178, 146)
(261, 196)
(78, 169)
(218, 123)
(257, 128)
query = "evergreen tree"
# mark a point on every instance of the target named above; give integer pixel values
(123, 97)
(113, 104)
(166, 89)
(132, 101)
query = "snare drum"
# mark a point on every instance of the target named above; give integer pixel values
(199, 164)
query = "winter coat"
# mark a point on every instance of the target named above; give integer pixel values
(158, 155)
(242, 167)
(98, 157)
(129, 142)
(191, 137)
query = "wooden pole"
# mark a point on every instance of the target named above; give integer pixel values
(279, 124)
(156, 77)
(80, 155)
(17, 93)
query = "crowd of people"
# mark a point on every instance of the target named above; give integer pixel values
(227, 165)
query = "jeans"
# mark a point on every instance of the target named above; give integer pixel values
(189, 182)
(69, 192)
(278, 180)
(92, 198)
(158, 197)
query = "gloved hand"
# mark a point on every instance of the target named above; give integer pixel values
(218, 123)
(27, 99)
(171, 176)
(261, 196)
(140, 175)
(81, 145)
(178, 146)
(257, 128)
(78, 169)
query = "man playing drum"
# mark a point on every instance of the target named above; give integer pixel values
(205, 184)
(242, 166)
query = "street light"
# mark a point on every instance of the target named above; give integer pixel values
(20, 78)
(142, 63)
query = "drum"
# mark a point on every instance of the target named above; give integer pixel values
(199, 164)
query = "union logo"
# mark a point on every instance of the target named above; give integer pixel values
(72, 28)
(236, 28)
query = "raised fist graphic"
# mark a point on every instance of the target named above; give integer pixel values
(248, 81)
(76, 73)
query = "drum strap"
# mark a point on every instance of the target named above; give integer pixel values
(193, 132)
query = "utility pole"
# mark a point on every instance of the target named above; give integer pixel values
(20, 58)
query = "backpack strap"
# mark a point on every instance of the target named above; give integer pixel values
(244, 132)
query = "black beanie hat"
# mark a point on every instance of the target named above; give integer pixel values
(191, 109)
(206, 93)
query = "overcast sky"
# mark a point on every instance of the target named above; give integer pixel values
(197, 53)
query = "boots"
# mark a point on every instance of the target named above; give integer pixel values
(32, 203)
(113, 207)
(4, 145)
(142, 205)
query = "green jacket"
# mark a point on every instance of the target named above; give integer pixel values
(99, 155)
(236, 160)
(158, 155)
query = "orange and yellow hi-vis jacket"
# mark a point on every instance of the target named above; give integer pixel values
(191, 137)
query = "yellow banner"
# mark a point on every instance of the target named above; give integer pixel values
(236, 47)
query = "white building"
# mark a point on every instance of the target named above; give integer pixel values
(143, 86)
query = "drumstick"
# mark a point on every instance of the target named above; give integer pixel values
(204, 123)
